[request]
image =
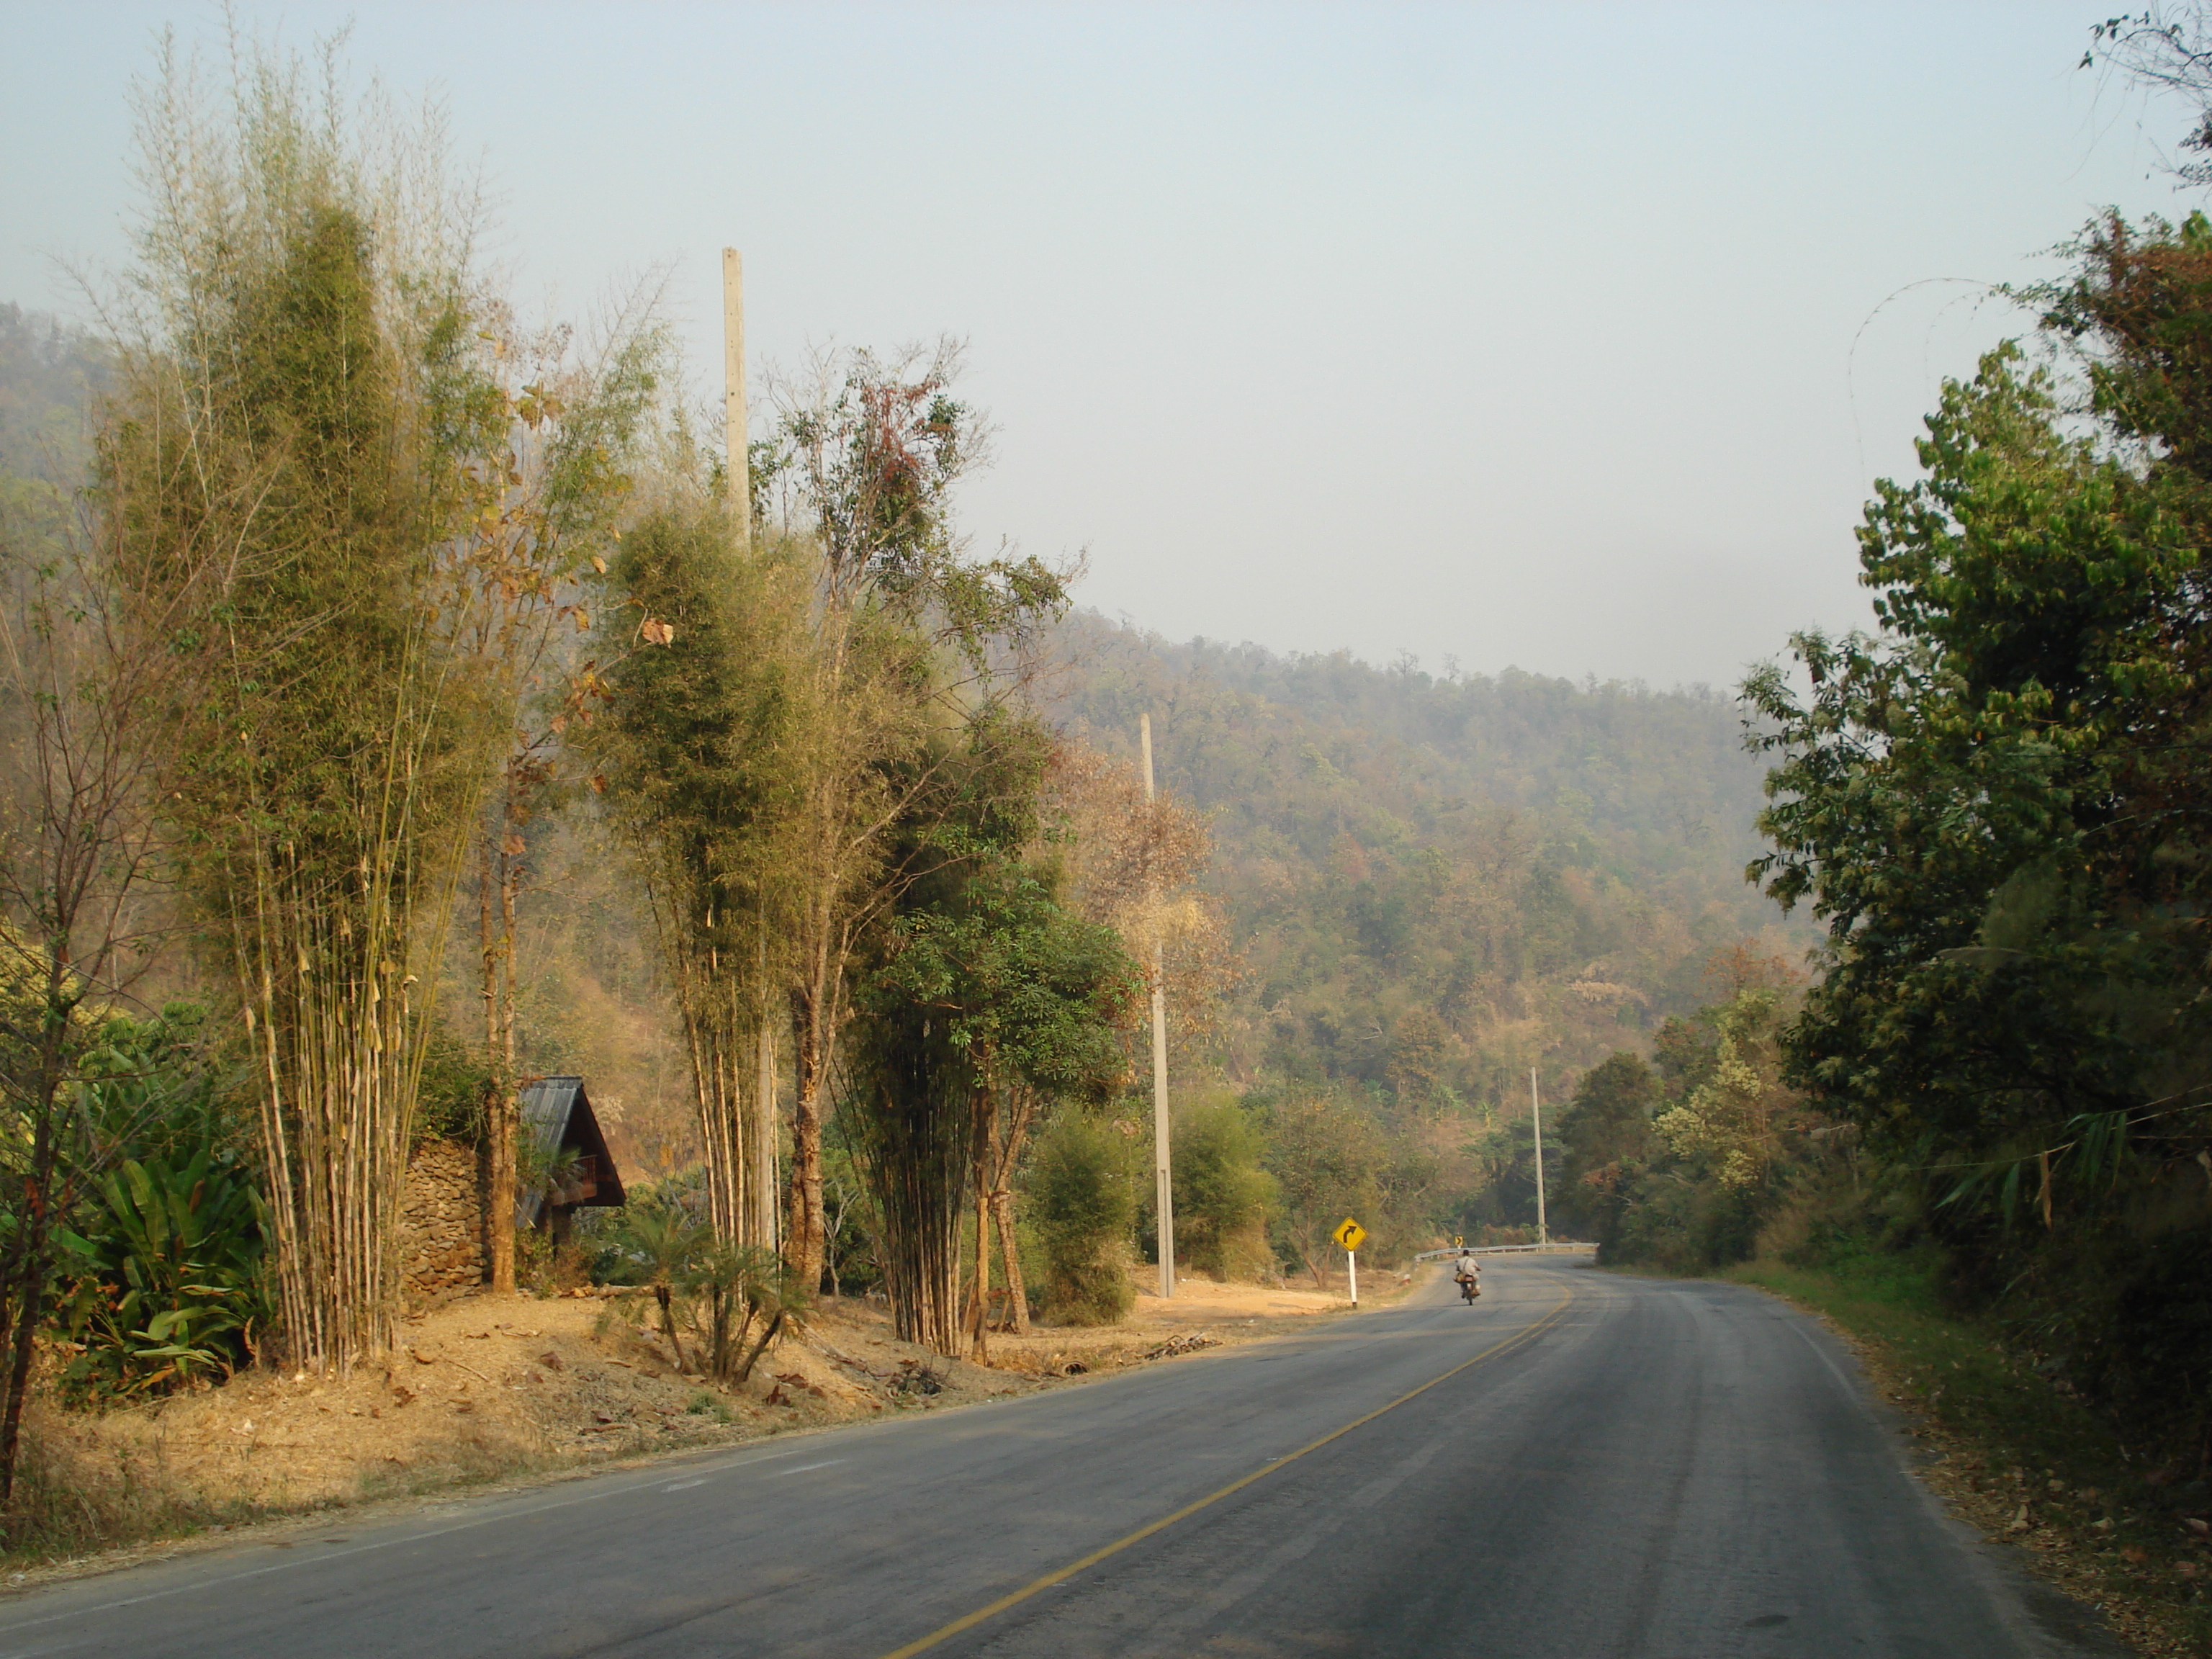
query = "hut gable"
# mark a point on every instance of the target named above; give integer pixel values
(556, 1120)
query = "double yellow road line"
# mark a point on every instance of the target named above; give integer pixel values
(944, 1633)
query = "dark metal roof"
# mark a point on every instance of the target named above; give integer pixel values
(557, 1117)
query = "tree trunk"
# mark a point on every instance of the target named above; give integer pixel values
(979, 1321)
(1008, 1155)
(21, 1271)
(983, 1144)
(499, 1083)
(30, 1292)
(760, 1128)
(803, 1236)
(665, 1295)
(1010, 1261)
(768, 1336)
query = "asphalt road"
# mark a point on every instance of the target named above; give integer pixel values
(1581, 1465)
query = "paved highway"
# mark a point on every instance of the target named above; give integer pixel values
(1581, 1465)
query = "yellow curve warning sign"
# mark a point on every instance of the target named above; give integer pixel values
(1350, 1234)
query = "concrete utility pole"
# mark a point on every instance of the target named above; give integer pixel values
(1536, 1116)
(1162, 1175)
(733, 391)
(762, 1216)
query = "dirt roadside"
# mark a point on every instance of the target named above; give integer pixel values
(503, 1392)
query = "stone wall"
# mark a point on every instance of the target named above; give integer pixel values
(441, 1252)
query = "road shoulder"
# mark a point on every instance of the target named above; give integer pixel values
(2076, 1579)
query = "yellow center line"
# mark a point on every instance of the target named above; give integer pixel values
(1016, 1597)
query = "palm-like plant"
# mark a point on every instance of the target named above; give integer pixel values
(661, 1243)
(739, 1284)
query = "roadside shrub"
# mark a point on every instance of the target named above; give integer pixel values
(1083, 1207)
(1222, 1195)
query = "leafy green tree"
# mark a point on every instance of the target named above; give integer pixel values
(990, 999)
(1996, 808)
(1044, 1000)
(1327, 1160)
(908, 637)
(700, 646)
(1949, 799)
(1605, 1132)
(288, 474)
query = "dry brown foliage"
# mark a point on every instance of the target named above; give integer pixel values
(1135, 866)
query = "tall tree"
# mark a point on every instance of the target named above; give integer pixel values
(1997, 807)
(703, 637)
(1957, 800)
(1007, 1001)
(909, 637)
(1606, 1135)
(539, 525)
(286, 486)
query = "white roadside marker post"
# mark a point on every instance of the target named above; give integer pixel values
(1349, 1235)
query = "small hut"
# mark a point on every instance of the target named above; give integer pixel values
(562, 1135)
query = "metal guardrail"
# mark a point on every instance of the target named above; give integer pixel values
(1557, 1247)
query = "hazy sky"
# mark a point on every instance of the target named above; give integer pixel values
(1516, 334)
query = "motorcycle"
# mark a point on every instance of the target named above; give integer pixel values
(1469, 1289)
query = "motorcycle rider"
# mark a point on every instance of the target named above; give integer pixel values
(1469, 1272)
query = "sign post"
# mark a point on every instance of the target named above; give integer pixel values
(1351, 1235)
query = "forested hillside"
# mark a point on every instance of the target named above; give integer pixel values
(48, 371)
(1438, 882)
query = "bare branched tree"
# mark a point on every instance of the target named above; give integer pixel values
(2165, 49)
(546, 492)
(82, 697)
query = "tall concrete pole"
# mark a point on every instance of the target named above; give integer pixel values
(1163, 1177)
(1536, 1116)
(733, 391)
(762, 1215)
